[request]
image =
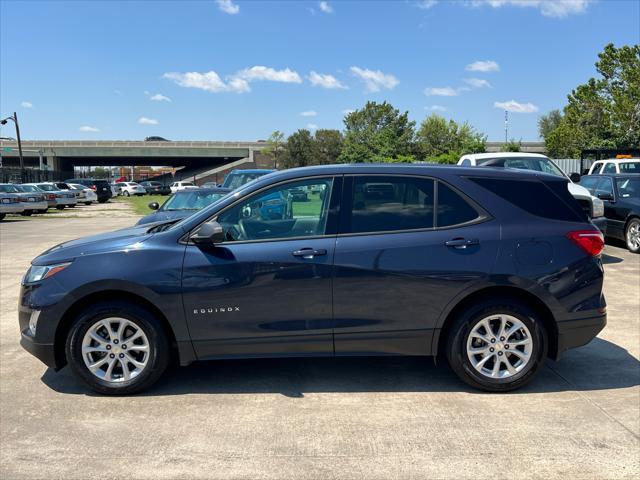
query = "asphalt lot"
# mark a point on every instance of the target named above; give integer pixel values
(320, 418)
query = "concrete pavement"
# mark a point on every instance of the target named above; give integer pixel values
(320, 418)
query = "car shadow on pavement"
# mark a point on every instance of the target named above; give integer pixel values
(601, 365)
(608, 259)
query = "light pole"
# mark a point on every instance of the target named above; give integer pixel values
(14, 118)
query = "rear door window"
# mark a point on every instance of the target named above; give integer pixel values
(452, 208)
(609, 168)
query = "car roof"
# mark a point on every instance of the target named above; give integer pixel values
(614, 175)
(618, 160)
(481, 156)
(254, 170)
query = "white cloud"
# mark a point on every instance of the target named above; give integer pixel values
(477, 82)
(436, 108)
(238, 82)
(483, 66)
(426, 4)
(312, 126)
(26, 105)
(374, 80)
(548, 8)
(325, 7)
(513, 106)
(227, 6)
(325, 81)
(309, 113)
(440, 92)
(147, 121)
(158, 97)
(87, 128)
(347, 111)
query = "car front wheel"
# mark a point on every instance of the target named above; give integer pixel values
(497, 346)
(632, 235)
(117, 348)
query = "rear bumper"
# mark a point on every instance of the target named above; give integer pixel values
(575, 333)
(32, 206)
(601, 224)
(11, 208)
(66, 201)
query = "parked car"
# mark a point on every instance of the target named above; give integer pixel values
(101, 187)
(115, 191)
(210, 185)
(593, 207)
(84, 194)
(621, 196)
(130, 188)
(32, 198)
(177, 186)
(237, 178)
(9, 203)
(182, 204)
(615, 165)
(56, 198)
(493, 268)
(156, 188)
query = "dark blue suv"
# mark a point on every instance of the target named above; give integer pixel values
(494, 269)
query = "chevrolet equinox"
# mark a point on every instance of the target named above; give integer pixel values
(493, 269)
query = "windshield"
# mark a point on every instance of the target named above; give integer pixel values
(8, 189)
(27, 188)
(46, 187)
(628, 187)
(630, 167)
(537, 164)
(235, 180)
(191, 200)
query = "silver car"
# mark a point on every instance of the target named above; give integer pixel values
(9, 203)
(32, 198)
(55, 197)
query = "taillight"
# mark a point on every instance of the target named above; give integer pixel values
(51, 196)
(93, 187)
(591, 241)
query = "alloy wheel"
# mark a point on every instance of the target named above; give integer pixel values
(115, 349)
(633, 235)
(499, 346)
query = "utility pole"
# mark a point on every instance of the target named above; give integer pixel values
(506, 126)
(14, 119)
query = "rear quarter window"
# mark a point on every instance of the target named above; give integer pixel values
(535, 197)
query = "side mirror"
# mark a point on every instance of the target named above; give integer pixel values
(154, 205)
(574, 177)
(208, 234)
(605, 196)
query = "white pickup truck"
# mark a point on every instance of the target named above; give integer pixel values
(592, 206)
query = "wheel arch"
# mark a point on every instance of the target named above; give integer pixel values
(502, 292)
(80, 304)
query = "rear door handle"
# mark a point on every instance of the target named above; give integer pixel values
(462, 243)
(309, 252)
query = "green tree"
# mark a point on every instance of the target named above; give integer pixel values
(446, 141)
(512, 145)
(300, 150)
(605, 111)
(549, 122)
(377, 133)
(328, 146)
(275, 147)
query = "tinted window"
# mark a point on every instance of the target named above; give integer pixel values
(452, 208)
(605, 185)
(630, 167)
(628, 187)
(381, 204)
(296, 209)
(191, 200)
(466, 162)
(534, 197)
(609, 168)
(589, 183)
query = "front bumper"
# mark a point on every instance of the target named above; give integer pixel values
(44, 352)
(600, 223)
(575, 333)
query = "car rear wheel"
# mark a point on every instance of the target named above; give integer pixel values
(60, 207)
(632, 235)
(117, 348)
(497, 345)
(126, 193)
(87, 203)
(2, 215)
(27, 213)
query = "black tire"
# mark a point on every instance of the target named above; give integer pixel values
(87, 203)
(60, 207)
(104, 200)
(634, 223)
(126, 193)
(2, 215)
(27, 213)
(456, 346)
(71, 206)
(159, 348)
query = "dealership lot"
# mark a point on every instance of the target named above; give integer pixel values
(320, 418)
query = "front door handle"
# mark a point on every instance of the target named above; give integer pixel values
(462, 243)
(308, 252)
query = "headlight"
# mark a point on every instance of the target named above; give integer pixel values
(38, 272)
(598, 207)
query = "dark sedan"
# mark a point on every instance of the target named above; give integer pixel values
(183, 203)
(621, 196)
(154, 187)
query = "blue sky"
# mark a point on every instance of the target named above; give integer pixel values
(237, 70)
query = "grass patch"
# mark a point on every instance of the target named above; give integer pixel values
(141, 204)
